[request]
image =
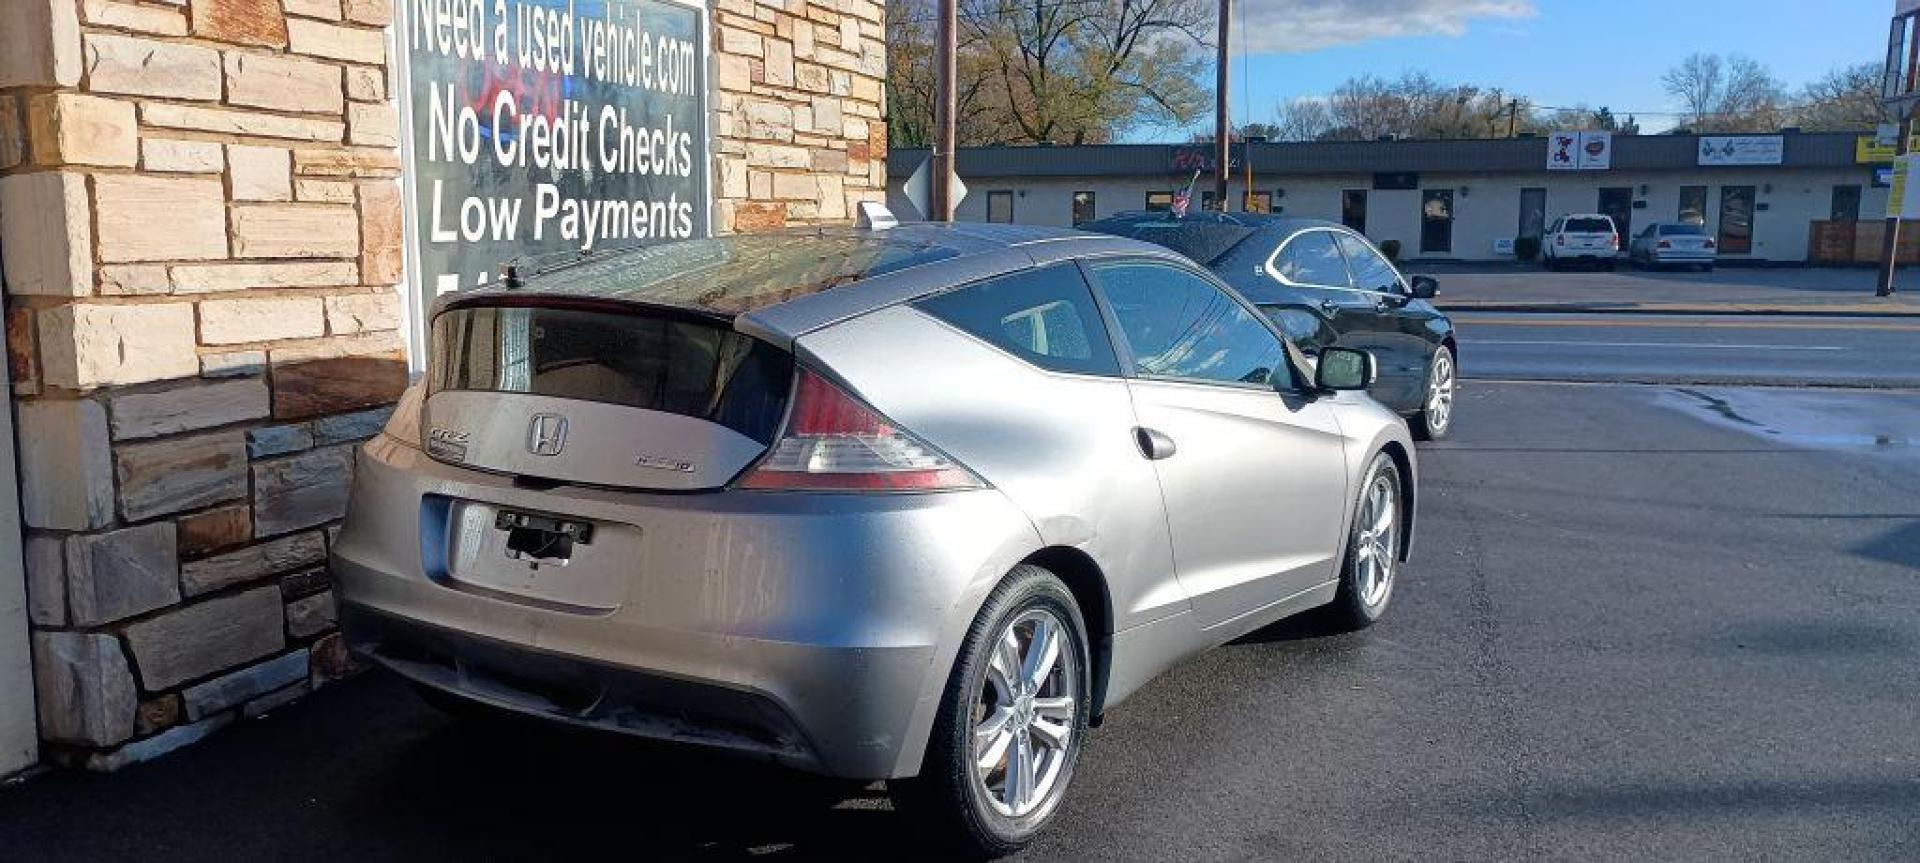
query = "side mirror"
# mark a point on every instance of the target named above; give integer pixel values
(1425, 287)
(1344, 369)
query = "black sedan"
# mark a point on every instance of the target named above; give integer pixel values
(1324, 285)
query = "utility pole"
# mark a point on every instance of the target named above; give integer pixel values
(945, 105)
(1513, 115)
(1222, 121)
(1897, 93)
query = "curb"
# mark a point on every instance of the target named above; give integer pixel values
(1795, 311)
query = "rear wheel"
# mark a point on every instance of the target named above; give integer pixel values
(1373, 549)
(1008, 734)
(1435, 418)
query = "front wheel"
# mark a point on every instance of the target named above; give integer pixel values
(1435, 418)
(1373, 549)
(1010, 725)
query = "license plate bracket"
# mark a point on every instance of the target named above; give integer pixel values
(542, 539)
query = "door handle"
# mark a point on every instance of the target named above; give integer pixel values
(1153, 444)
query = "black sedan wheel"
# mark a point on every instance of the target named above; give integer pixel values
(1435, 418)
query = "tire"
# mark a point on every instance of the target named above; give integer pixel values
(1362, 599)
(950, 795)
(1435, 418)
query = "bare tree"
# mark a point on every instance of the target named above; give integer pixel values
(1726, 94)
(1050, 71)
(1303, 119)
(1845, 99)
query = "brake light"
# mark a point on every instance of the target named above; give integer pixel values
(1666, 244)
(834, 442)
(1614, 240)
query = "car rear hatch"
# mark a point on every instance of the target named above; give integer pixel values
(605, 393)
(1585, 234)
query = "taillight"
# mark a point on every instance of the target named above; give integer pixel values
(1666, 244)
(834, 442)
(1560, 239)
(1615, 240)
(1710, 244)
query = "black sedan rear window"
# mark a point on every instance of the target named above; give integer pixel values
(1202, 242)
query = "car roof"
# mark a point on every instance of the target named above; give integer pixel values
(781, 284)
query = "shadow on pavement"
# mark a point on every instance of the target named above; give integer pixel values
(365, 771)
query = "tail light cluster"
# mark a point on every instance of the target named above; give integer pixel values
(1615, 240)
(1711, 244)
(1666, 244)
(835, 442)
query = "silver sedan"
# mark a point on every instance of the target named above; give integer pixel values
(917, 504)
(1671, 244)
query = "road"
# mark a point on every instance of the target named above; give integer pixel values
(1799, 350)
(1641, 622)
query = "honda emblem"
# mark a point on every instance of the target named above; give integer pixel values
(547, 434)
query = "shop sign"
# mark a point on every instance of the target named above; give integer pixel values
(1580, 151)
(1742, 150)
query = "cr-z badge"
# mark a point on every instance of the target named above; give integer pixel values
(658, 463)
(449, 444)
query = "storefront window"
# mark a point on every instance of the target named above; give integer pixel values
(1083, 208)
(1693, 204)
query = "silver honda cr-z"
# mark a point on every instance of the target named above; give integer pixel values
(917, 503)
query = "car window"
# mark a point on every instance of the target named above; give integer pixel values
(1370, 271)
(1312, 258)
(1555, 228)
(1589, 226)
(1045, 316)
(1682, 231)
(1179, 325)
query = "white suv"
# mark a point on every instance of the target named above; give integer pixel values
(1581, 237)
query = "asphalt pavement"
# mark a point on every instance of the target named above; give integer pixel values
(1730, 289)
(1640, 622)
(1759, 349)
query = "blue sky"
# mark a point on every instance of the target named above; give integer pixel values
(1558, 52)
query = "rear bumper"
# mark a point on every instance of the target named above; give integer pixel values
(1672, 256)
(817, 630)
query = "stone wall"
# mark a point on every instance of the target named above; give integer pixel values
(200, 232)
(799, 110)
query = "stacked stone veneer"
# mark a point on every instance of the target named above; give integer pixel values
(798, 128)
(200, 229)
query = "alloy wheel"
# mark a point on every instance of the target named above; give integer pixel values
(1375, 545)
(1439, 406)
(1023, 717)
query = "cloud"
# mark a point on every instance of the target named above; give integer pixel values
(1294, 26)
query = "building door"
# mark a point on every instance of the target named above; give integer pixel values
(1846, 204)
(19, 738)
(1353, 209)
(1533, 214)
(1436, 221)
(1736, 220)
(1617, 203)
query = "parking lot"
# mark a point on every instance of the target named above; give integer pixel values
(1801, 289)
(1663, 620)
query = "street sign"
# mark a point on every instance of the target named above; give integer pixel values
(919, 193)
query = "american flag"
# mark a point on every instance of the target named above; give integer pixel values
(1184, 198)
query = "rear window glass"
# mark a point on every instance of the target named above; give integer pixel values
(1044, 316)
(1202, 242)
(1682, 231)
(738, 274)
(1589, 226)
(686, 367)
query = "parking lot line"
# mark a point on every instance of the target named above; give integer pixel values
(1681, 345)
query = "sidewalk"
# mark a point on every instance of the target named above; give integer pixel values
(1773, 291)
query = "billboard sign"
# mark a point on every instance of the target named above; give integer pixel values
(541, 127)
(1742, 150)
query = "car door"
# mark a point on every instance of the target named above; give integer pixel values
(1252, 475)
(1314, 285)
(1385, 321)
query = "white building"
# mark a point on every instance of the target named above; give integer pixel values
(1460, 200)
